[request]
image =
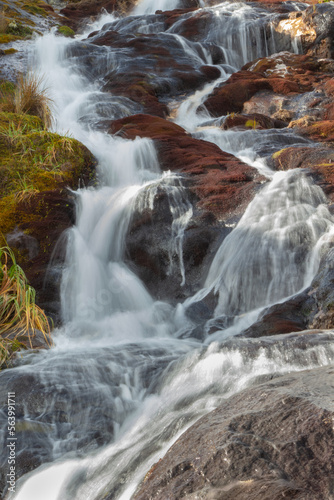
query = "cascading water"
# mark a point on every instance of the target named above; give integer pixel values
(288, 218)
(120, 373)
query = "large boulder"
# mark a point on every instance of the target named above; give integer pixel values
(150, 68)
(270, 441)
(217, 187)
(272, 84)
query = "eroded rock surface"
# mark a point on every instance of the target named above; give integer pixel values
(218, 185)
(272, 441)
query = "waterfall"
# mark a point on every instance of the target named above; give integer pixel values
(150, 6)
(122, 378)
(272, 253)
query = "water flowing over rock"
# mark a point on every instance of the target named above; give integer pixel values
(268, 442)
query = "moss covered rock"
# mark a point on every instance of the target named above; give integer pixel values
(37, 167)
(66, 31)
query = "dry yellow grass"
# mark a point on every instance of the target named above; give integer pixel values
(18, 310)
(31, 97)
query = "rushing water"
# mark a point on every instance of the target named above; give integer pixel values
(121, 370)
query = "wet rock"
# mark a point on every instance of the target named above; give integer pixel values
(219, 187)
(76, 417)
(297, 26)
(320, 306)
(238, 89)
(193, 27)
(271, 85)
(150, 67)
(322, 131)
(319, 161)
(56, 213)
(311, 309)
(270, 441)
(320, 18)
(222, 184)
(79, 11)
(291, 316)
(251, 121)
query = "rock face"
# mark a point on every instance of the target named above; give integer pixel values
(283, 76)
(78, 11)
(219, 187)
(318, 160)
(272, 441)
(313, 308)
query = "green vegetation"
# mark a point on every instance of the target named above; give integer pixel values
(19, 314)
(19, 30)
(33, 160)
(65, 31)
(252, 124)
(11, 30)
(34, 8)
(31, 97)
(10, 51)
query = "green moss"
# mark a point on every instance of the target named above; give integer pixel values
(34, 160)
(7, 38)
(18, 30)
(8, 52)
(28, 122)
(65, 31)
(278, 153)
(34, 9)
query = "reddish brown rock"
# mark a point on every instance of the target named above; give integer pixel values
(78, 11)
(223, 184)
(290, 316)
(238, 89)
(251, 121)
(322, 131)
(218, 185)
(279, 77)
(320, 161)
(194, 27)
(268, 442)
(152, 69)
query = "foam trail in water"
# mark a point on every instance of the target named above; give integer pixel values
(194, 385)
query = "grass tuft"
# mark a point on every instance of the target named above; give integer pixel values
(31, 97)
(18, 310)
